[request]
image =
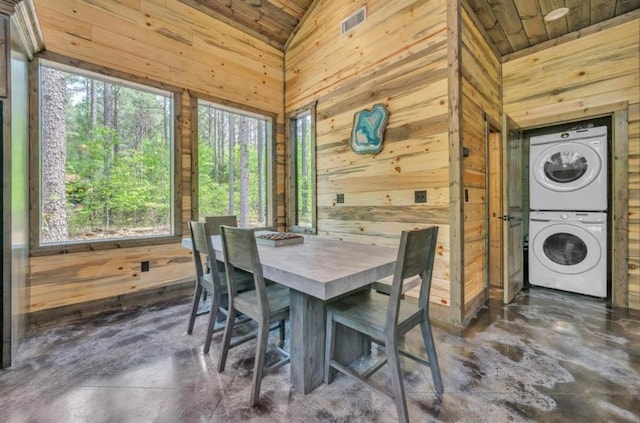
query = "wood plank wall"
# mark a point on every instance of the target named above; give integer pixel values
(590, 75)
(398, 57)
(480, 73)
(169, 42)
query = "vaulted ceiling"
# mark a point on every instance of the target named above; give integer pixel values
(270, 20)
(512, 25)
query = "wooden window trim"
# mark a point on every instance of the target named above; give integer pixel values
(291, 169)
(34, 161)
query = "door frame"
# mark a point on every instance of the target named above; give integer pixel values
(5, 238)
(619, 213)
(495, 169)
(619, 205)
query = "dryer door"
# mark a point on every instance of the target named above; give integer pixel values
(566, 248)
(567, 167)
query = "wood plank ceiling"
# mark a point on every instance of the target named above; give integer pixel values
(270, 20)
(512, 25)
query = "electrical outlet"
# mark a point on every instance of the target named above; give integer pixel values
(144, 266)
(420, 196)
(340, 198)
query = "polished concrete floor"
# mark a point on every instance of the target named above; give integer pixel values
(548, 357)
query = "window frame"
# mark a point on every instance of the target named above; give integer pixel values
(271, 152)
(91, 70)
(292, 215)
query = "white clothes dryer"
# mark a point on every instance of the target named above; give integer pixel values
(568, 251)
(568, 170)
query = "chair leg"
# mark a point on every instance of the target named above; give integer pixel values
(366, 342)
(399, 398)
(213, 316)
(258, 368)
(282, 332)
(194, 308)
(226, 339)
(430, 346)
(329, 347)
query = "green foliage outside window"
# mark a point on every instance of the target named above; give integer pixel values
(233, 165)
(304, 170)
(106, 153)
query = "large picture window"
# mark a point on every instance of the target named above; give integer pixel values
(302, 146)
(234, 164)
(106, 154)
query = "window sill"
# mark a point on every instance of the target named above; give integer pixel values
(102, 245)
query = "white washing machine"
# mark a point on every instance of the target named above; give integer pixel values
(568, 170)
(568, 251)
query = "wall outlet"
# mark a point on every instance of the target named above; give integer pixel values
(420, 196)
(340, 198)
(144, 266)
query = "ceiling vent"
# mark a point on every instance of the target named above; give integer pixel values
(354, 20)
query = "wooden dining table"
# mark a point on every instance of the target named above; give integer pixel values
(317, 271)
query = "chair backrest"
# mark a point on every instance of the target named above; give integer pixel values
(214, 223)
(201, 246)
(416, 255)
(241, 252)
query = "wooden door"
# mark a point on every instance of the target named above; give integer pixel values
(512, 227)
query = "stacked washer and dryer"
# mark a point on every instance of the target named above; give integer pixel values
(568, 217)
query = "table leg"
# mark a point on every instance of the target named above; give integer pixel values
(307, 341)
(307, 320)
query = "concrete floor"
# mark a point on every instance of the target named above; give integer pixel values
(548, 357)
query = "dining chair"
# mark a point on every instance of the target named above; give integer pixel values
(265, 304)
(214, 223)
(209, 279)
(384, 285)
(364, 312)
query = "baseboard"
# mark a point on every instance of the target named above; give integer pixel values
(61, 315)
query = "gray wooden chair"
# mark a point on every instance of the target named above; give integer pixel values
(384, 285)
(213, 224)
(211, 279)
(265, 304)
(363, 312)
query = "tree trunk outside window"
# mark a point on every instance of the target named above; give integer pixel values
(244, 173)
(54, 156)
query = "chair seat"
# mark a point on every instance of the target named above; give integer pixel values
(366, 312)
(278, 296)
(244, 281)
(384, 285)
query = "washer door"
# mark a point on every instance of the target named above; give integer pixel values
(567, 167)
(566, 248)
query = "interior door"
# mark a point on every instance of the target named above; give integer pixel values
(512, 227)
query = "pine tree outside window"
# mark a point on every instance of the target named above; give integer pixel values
(235, 164)
(302, 167)
(106, 158)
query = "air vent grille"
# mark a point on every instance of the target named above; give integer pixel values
(354, 20)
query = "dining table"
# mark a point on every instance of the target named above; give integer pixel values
(316, 271)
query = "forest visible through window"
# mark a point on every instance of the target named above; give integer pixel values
(233, 165)
(304, 170)
(106, 158)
